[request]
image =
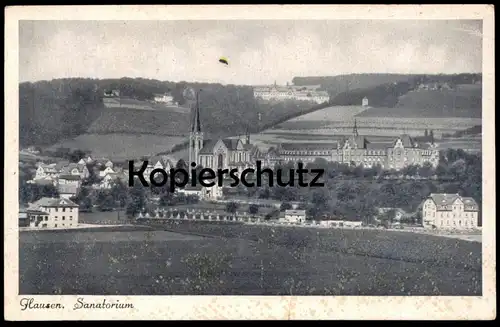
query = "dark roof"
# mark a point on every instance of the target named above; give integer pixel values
(208, 145)
(445, 201)
(378, 146)
(231, 144)
(406, 140)
(70, 177)
(53, 202)
(308, 146)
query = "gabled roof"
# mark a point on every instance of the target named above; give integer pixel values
(470, 204)
(444, 201)
(208, 146)
(406, 140)
(231, 144)
(53, 202)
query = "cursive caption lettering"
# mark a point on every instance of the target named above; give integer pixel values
(82, 304)
(31, 304)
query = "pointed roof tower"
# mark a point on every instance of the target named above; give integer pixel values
(196, 125)
(355, 129)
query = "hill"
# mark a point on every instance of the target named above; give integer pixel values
(464, 102)
(336, 85)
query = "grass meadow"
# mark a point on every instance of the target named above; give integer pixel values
(201, 258)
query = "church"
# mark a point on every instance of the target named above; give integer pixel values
(227, 153)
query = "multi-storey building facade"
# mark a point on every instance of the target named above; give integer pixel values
(53, 213)
(449, 211)
(300, 93)
(356, 149)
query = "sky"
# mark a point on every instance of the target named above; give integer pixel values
(259, 52)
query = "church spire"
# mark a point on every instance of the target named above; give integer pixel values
(196, 126)
(355, 129)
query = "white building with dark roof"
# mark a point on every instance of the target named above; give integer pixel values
(449, 211)
(53, 213)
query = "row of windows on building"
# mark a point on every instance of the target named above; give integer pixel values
(46, 218)
(466, 223)
(448, 215)
(63, 209)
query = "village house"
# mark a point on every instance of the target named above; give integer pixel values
(105, 171)
(110, 179)
(76, 169)
(53, 213)
(203, 193)
(69, 185)
(449, 211)
(159, 162)
(52, 170)
(295, 216)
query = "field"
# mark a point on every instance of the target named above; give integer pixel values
(235, 259)
(465, 102)
(121, 146)
(134, 120)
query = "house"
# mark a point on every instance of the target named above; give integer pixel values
(163, 98)
(82, 162)
(110, 178)
(105, 171)
(103, 162)
(76, 169)
(295, 216)
(23, 218)
(69, 185)
(449, 211)
(53, 213)
(159, 162)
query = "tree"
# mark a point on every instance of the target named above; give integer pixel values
(119, 193)
(285, 206)
(431, 136)
(253, 209)
(136, 200)
(232, 207)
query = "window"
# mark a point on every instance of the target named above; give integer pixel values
(441, 223)
(63, 218)
(46, 218)
(56, 209)
(448, 222)
(55, 225)
(64, 209)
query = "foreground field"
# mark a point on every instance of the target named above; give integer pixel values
(236, 259)
(121, 146)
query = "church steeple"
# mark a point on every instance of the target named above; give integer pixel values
(355, 129)
(196, 125)
(196, 135)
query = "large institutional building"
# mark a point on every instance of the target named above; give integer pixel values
(449, 211)
(291, 92)
(356, 149)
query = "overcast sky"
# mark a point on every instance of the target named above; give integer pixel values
(259, 52)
